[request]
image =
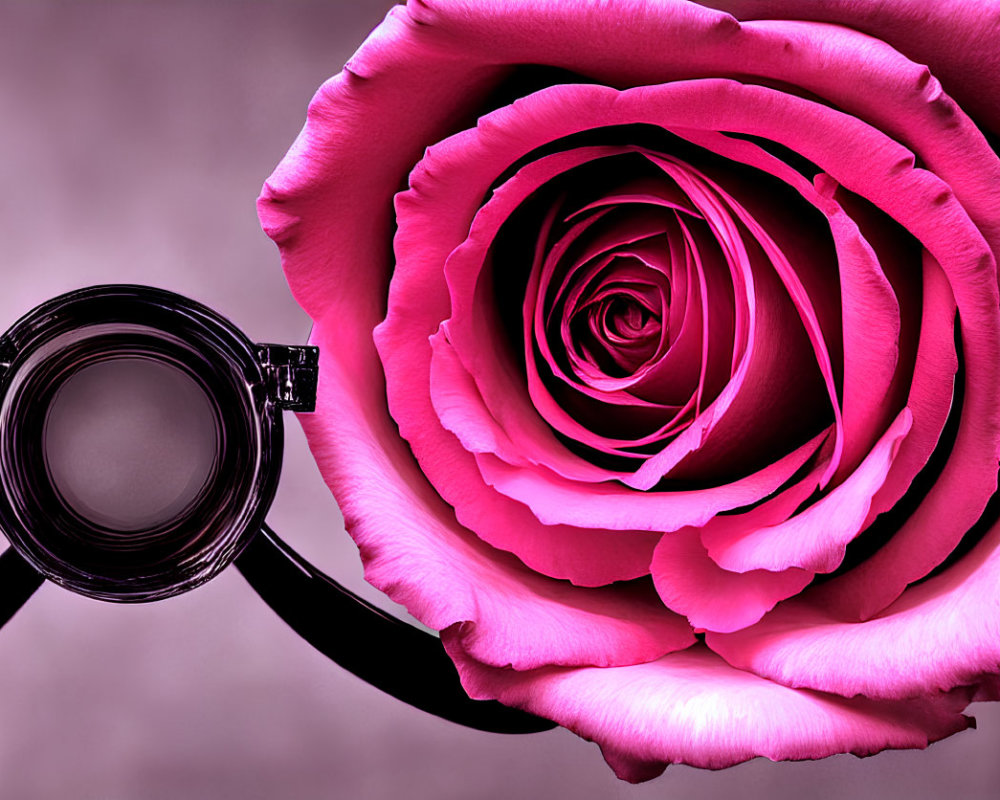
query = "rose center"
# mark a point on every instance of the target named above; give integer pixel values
(624, 320)
(620, 330)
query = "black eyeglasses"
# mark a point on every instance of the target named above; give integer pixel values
(140, 449)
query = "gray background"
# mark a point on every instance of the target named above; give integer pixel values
(133, 142)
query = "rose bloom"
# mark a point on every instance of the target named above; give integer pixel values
(660, 352)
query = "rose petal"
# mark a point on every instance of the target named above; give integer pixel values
(416, 552)
(590, 406)
(551, 399)
(691, 583)
(943, 633)
(621, 308)
(375, 91)
(928, 210)
(733, 423)
(585, 556)
(814, 539)
(871, 585)
(870, 326)
(323, 279)
(472, 326)
(693, 363)
(956, 38)
(501, 138)
(925, 207)
(901, 96)
(555, 500)
(681, 709)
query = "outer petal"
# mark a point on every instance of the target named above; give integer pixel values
(956, 38)
(943, 633)
(901, 97)
(416, 552)
(682, 709)
(326, 230)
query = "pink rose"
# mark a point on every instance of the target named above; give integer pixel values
(668, 390)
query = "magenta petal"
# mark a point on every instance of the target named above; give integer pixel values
(472, 330)
(714, 599)
(585, 556)
(931, 213)
(955, 38)
(816, 538)
(555, 500)
(683, 709)
(681, 372)
(577, 627)
(874, 583)
(397, 80)
(582, 397)
(871, 329)
(417, 553)
(870, 324)
(940, 634)
(901, 97)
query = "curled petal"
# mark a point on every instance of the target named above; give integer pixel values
(589, 556)
(943, 633)
(868, 587)
(691, 583)
(554, 500)
(816, 538)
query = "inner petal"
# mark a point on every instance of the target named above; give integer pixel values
(619, 324)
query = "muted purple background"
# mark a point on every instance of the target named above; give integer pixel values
(133, 141)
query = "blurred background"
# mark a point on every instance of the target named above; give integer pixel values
(134, 138)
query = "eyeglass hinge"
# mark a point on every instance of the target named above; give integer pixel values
(292, 373)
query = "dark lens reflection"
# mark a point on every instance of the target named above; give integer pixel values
(130, 442)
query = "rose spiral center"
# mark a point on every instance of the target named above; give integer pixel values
(618, 327)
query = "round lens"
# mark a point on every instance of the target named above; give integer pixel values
(140, 441)
(130, 442)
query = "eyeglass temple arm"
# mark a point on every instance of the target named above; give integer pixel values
(392, 655)
(18, 581)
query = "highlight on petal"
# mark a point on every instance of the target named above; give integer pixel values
(555, 500)
(693, 708)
